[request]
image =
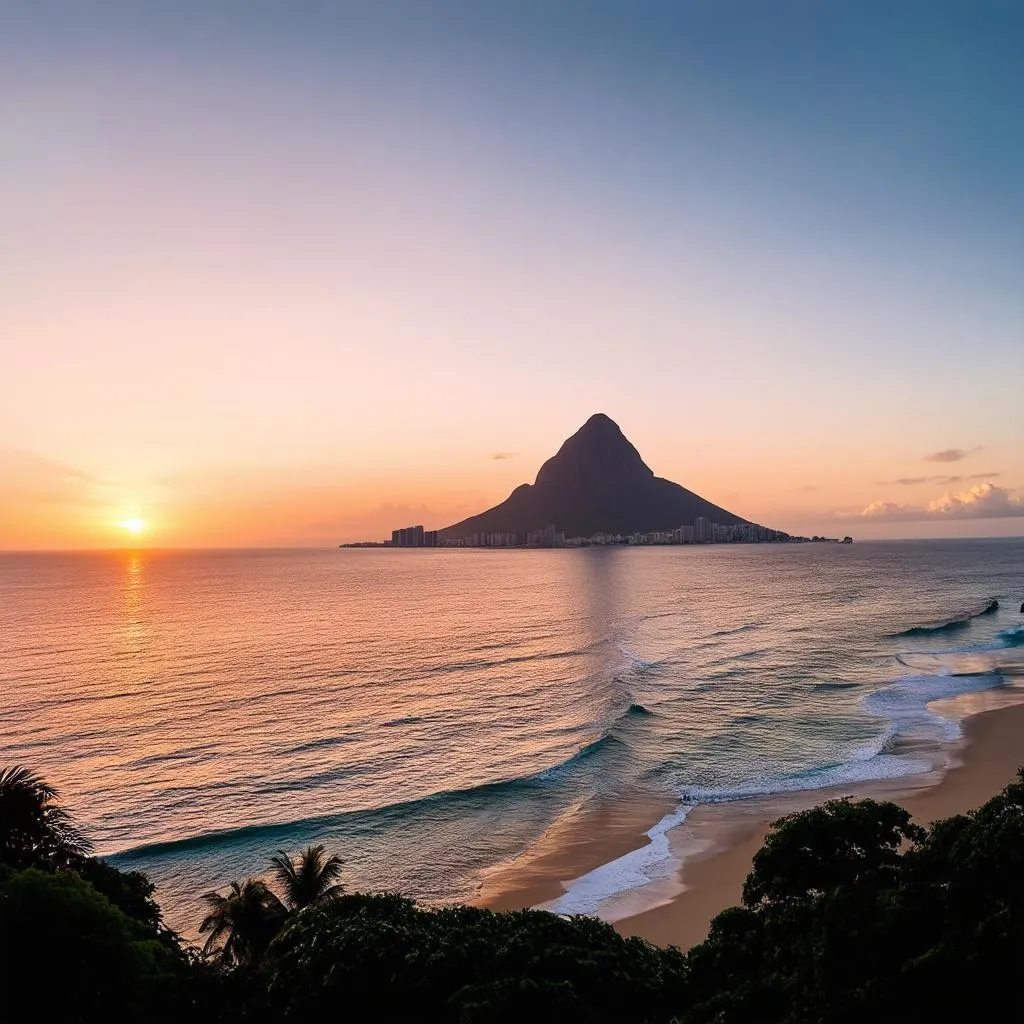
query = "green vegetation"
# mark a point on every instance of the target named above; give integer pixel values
(850, 913)
(243, 923)
(34, 829)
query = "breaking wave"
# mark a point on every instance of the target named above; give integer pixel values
(951, 625)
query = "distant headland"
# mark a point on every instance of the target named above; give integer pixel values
(596, 490)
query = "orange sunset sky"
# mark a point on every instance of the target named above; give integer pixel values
(270, 280)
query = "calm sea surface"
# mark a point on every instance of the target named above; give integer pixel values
(429, 714)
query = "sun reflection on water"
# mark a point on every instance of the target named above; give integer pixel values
(134, 626)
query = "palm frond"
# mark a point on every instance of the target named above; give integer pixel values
(307, 878)
(241, 923)
(34, 829)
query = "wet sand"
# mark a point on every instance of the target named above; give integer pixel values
(715, 844)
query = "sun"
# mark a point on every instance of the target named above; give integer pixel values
(135, 526)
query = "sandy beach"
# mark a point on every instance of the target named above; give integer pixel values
(715, 844)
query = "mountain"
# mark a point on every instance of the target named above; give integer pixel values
(596, 483)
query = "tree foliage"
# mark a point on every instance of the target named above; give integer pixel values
(839, 843)
(308, 878)
(69, 954)
(464, 964)
(241, 924)
(35, 831)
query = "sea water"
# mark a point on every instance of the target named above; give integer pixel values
(431, 714)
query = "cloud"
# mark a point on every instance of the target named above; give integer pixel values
(500, 456)
(912, 481)
(982, 501)
(806, 488)
(27, 476)
(951, 454)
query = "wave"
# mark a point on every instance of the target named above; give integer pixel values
(634, 870)
(1012, 636)
(947, 659)
(904, 707)
(637, 710)
(876, 766)
(951, 625)
(732, 632)
(636, 663)
(485, 663)
(325, 822)
(483, 794)
(904, 704)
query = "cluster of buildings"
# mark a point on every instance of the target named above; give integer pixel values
(700, 531)
(414, 537)
(704, 531)
(546, 537)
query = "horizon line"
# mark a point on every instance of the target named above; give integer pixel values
(372, 545)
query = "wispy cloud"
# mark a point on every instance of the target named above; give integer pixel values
(951, 454)
(500, 456)
(26, 475)
(982, 501)
(911, 481)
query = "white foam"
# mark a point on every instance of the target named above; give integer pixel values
(905, 703)
(880, 766)
(591, 893)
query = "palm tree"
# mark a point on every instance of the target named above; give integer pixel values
(242, 923)
(308, 878)
(34, 830)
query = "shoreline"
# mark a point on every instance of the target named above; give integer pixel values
(712, 848)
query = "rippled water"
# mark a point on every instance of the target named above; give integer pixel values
(429, 714)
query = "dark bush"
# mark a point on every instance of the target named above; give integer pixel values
(69, 954)
(385, 954)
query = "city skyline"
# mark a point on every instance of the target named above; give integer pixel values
(701, 531)
(284, 277)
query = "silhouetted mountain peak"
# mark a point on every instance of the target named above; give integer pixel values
(600, 421)
(598, 452)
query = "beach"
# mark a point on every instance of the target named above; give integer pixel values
(715, 843)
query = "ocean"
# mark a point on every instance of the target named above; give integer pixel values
(429, 715)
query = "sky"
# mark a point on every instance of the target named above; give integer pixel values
(288, 273)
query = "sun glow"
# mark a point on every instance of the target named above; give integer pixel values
(135, 526)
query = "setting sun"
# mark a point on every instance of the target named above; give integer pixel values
(132, 525)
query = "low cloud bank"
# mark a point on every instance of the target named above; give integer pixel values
(982, 501)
